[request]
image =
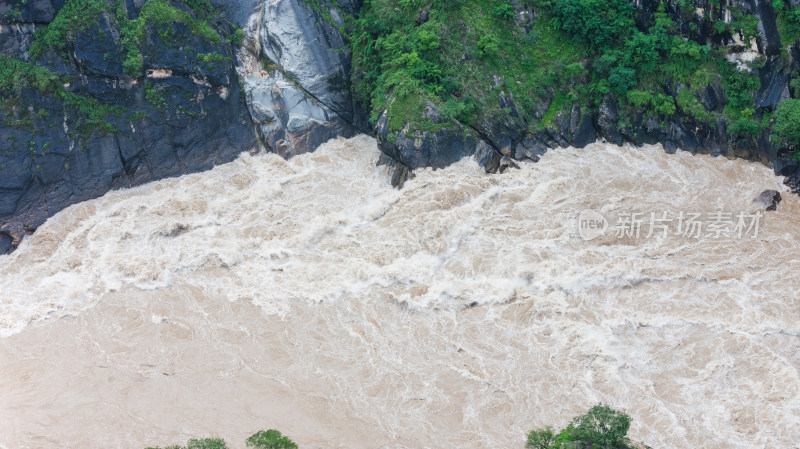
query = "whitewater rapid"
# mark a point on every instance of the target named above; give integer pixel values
(459, 312)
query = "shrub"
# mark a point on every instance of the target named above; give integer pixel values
(206, 443)
(601, 428)
(622, 79)
(639, 98)
(787, 120)
(74, 16)
(153, 96)
(691, 106)
(160, 12)
(16, 75)
(795, 85)
(210, 57)
(264, 439)
(504, 12)
(463, 111)
(489, 44)
(739, 87)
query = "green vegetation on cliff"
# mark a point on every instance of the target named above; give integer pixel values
(546, 55)
(74, 16)
(88, 114)
(456, 58)
(78, 15)
(85, 114)
(788, 20)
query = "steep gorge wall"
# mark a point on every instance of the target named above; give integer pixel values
(194, 102)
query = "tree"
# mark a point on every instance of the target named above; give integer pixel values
(787, 120)
(270, 439)
(601, 425)
(541, 438)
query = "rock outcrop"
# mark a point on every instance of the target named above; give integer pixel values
(296, 66)
(445, 143)
(288, 121)
(309, 50)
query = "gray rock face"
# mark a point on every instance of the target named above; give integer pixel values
(769, 40)
(310, 51)
(16, 38)
(487, 157)
(774, 78)
(349, 6)
(287, 120)
(237, 11)
(305, 100)
(5, 242)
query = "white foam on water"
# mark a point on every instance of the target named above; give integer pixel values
(460, 311)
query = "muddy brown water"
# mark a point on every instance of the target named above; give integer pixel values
(458, 312)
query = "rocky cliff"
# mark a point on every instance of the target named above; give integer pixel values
(103, 94)
(100, 95)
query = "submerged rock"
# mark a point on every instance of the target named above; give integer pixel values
(506, 163)
(768, 200)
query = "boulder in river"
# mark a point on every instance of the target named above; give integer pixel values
(768, 200)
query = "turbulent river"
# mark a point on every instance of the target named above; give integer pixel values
(459, 312)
